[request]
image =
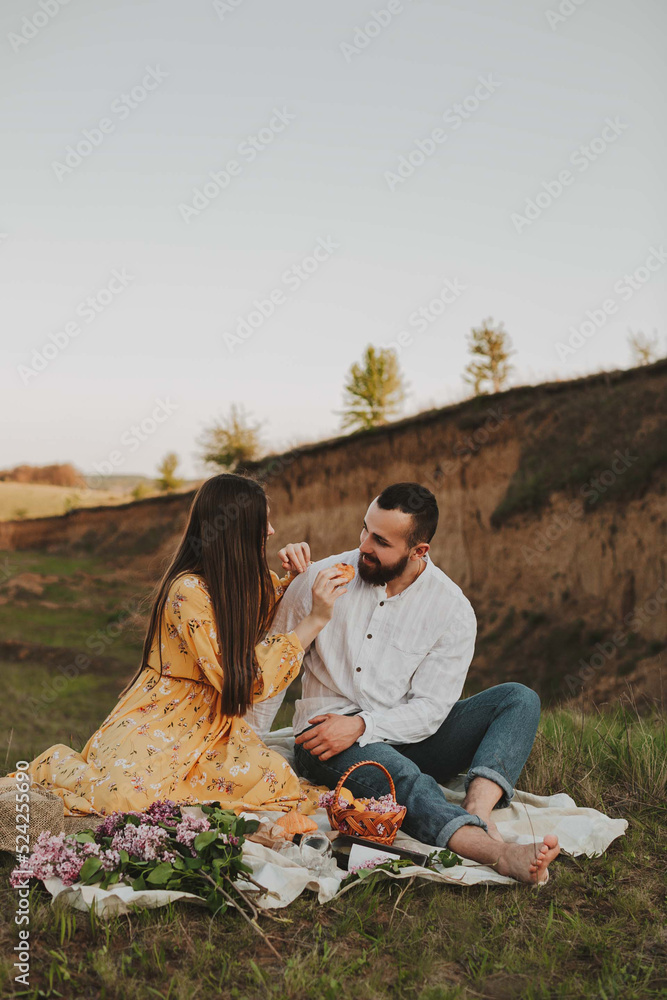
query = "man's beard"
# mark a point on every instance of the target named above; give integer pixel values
(378, 575)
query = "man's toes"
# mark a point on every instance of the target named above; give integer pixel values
(548, 850)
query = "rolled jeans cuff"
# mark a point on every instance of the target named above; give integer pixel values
(488, 772)
(450, 828)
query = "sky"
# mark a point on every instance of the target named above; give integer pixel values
(216, 203)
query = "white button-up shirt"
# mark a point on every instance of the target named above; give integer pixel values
(400, 662)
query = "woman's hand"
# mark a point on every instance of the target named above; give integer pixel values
(295, 557)
(329, 585)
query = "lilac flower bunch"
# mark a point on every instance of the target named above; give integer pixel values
(59, 857)
(145, 842)
(161, 848)
(187, 830)
(162, 811)
(327, 799)
(385, 804)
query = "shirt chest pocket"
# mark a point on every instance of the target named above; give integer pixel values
(405, 656)
(401, 661)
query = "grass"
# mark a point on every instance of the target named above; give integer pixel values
(596, 930)
(56, 715)
(88, 601)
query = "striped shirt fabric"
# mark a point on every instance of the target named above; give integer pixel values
(400, 662)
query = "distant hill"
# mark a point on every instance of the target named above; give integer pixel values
(50, 475)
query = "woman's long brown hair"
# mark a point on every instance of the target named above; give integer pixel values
(225, 542)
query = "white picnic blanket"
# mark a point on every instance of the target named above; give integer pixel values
(527, 819)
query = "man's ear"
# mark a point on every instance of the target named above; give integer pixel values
(421, 550)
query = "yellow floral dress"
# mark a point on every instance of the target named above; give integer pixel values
(167, 737)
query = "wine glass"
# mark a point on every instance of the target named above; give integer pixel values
(316, 852)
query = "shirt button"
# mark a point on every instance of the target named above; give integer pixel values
(381, 604)
(369, 636)
(358, 670)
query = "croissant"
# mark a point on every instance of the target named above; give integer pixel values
(295, 822)
(346, 570)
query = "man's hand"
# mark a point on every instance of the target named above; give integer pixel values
(295, 557)
(334, 734)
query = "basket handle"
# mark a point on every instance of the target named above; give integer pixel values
(362, 763)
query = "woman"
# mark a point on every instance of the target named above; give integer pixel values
(177, 731)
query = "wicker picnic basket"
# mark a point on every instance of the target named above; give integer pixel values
(365, 824)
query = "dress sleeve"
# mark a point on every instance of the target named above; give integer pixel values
(293, 608)
(280, 584)
(280, 658)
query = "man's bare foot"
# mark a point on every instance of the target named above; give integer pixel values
(528, 862)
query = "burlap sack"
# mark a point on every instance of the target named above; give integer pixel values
(46, 813)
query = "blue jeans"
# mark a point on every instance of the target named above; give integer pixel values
(489, 735)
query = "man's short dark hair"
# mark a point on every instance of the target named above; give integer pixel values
(412, 498)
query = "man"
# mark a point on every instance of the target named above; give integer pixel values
(383, 680)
